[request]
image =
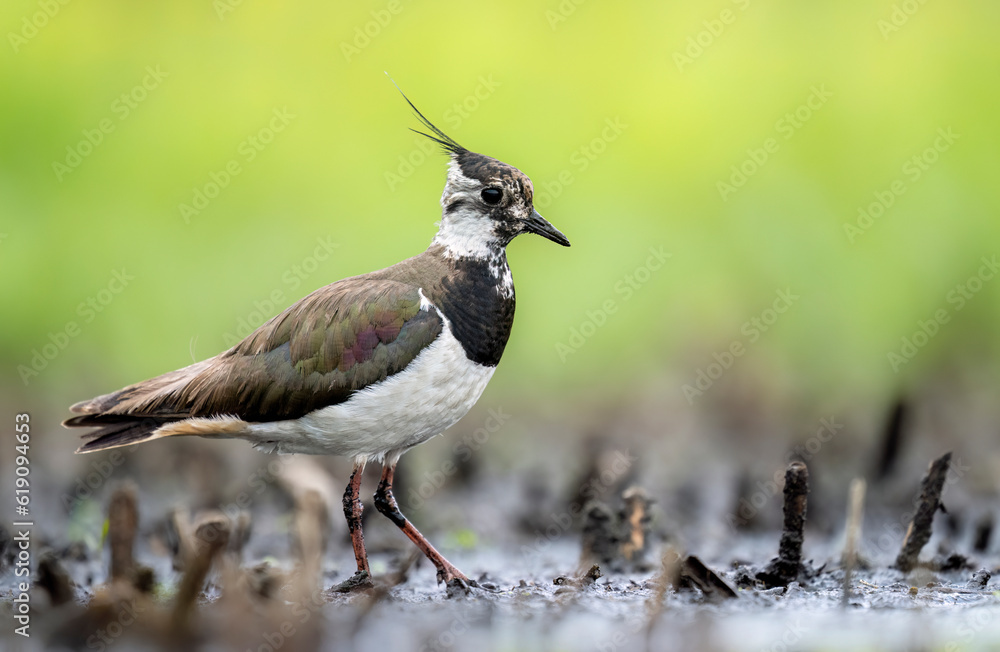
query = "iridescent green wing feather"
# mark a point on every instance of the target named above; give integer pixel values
(336, 341)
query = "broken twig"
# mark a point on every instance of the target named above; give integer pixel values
(123, 520)
(785, 569)
(855, 515)
(984, 531)
(211, 537)
(635, 524)
(695, 573)
(919, 532)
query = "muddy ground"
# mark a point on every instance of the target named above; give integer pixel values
(527, 531)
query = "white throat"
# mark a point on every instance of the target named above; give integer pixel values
(467, 234)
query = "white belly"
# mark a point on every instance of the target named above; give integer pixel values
(437, 389)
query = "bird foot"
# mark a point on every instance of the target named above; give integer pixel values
(360, 581)
(456, 582)
(447, 574)
(456, 587)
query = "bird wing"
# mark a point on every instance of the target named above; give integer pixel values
(336, 341)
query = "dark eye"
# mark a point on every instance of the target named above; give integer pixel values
(492, 196)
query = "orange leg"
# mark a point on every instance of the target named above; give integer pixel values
(385, 502)
(352, 511)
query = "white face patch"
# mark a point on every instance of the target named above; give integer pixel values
(465, 232)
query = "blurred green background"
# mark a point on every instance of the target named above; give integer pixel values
(114, 114)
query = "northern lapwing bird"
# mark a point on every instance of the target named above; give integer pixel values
(366, 367)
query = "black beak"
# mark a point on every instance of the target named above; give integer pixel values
(539, 225)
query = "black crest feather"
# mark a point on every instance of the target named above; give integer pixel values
(444, 140)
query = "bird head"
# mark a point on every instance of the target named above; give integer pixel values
(486, 203)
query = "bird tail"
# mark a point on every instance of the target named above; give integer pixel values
(115, 432)
(136, 413)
